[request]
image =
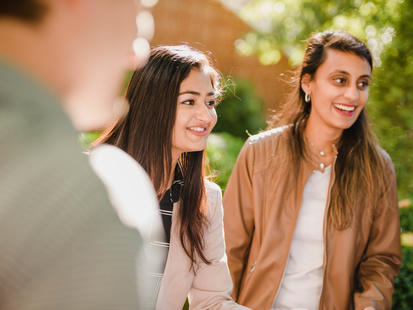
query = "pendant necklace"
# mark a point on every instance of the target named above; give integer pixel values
(322, 154)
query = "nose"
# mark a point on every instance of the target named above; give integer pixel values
(203, 113)
(352, 93)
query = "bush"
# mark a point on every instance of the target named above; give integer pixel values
(403, 284)
(241, 110)
(391, 100)
(391, 107)
(222, 152)
(403, 293)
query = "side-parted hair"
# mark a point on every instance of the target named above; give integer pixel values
(146, 134)
(360, 164)
(26, 10)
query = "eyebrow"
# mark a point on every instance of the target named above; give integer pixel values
(346, 73)
(195, 93)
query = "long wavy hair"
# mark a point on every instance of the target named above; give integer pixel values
(145, 133)
(360, 164)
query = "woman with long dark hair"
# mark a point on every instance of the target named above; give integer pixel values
(172, 111)
(311, 213)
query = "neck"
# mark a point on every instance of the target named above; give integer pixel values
(323, 137)
(175, 157)
(32, 48)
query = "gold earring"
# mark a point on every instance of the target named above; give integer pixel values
(307, 97)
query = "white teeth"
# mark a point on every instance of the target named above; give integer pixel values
(199, 129)
(344, 107)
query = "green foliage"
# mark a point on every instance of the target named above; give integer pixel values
(403, 294)
(284, 25)
(222, 152)
(86, 138)
(391, 100)
(406, 219)
(241, 110)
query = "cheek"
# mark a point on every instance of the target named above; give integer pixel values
(322, 93)
(182, 119)
(331, 92)
(364, 96)
(214, 117)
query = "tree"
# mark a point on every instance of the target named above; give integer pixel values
(391, 99)
(282, 26)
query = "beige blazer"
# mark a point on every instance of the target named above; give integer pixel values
(211, 286)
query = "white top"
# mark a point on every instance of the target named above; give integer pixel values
(301, 286)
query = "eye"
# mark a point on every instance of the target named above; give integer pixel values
(340, 80)
(363, 84)
(211, 103)
(188, 102)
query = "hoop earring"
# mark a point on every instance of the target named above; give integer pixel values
(307, 97)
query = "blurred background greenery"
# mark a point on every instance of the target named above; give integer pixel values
(280, 28)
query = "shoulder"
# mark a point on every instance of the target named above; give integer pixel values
(387, 163)
(214, 198)
(213, 191)
(385, 156)
(212, 187)
(261, 148)
(268, 136)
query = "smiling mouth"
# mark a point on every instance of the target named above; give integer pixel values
(345, 108)
(198, 129)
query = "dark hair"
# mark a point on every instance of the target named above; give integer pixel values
(146, 134)
(26, 10)
(359, 160)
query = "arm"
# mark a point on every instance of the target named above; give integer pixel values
(239, 215)
(212, 285)
(381, 261)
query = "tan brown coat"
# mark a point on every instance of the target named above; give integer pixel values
(360, 263)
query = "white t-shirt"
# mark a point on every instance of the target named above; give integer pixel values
(301, 286)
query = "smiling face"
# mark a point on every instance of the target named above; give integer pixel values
(338, 90)
(195, 113)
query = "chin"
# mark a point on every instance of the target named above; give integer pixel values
(198, 149)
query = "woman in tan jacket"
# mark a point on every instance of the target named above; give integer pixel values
(311, 216)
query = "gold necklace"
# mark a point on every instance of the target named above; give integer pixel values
(322, 153)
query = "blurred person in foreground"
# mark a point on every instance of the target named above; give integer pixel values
(62, 245)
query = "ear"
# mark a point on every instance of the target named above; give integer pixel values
(306, 83)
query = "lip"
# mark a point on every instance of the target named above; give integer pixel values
(344, 112)
(195, 130)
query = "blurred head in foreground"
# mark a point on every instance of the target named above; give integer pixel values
(78, 49)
